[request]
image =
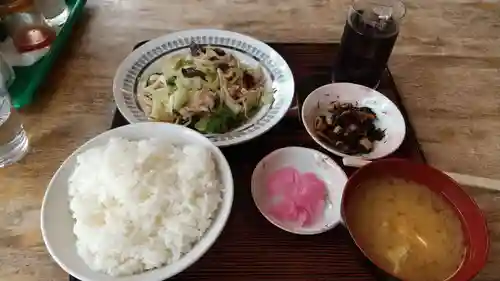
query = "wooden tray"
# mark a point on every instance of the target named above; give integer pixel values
(251, 248)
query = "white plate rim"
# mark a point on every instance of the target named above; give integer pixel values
(138, 60)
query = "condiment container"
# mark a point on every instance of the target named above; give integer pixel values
(26, 25)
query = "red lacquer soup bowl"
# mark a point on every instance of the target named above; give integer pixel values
(473, 223)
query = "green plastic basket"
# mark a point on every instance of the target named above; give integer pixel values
(29, 78)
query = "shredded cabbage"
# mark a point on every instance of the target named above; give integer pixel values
(208, 89)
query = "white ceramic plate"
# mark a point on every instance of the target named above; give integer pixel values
(304, 160)
(57, 222)
(143, 61)
(389, 118)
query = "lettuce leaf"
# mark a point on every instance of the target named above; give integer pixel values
(219, 121)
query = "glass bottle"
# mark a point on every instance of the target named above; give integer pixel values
(26, 25)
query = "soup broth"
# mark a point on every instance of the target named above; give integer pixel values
(406, 229)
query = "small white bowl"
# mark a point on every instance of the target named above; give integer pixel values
(57, 221)
(304, 160)
(389, 118)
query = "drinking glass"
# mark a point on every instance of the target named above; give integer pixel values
(370, 32)
(7, 75)
(13, 137)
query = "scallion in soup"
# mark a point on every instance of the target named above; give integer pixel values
(406, 229)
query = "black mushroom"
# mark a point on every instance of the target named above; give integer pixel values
(191, 72)
(348, 128)
(196, 49)
(219, 52)
(248, 80)
(223, 66)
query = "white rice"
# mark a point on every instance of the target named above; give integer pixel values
(139, 205)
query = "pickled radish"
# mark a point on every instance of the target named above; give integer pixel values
(295, 197)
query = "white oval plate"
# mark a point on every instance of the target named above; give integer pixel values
(304, 160)
(141, 62)
(389, 118)
(57, 221)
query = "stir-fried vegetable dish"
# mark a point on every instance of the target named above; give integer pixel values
(207, 89)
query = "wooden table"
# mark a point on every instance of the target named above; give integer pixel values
(446, 64)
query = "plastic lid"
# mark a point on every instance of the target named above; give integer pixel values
(32, 38)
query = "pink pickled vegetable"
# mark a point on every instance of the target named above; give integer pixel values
(279, 181)
(295, 197)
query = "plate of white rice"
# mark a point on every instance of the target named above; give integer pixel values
(139, 202)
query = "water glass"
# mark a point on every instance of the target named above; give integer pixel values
(7, 74)
(370, 33)
(13, 137)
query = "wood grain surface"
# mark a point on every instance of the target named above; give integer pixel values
(446, 65)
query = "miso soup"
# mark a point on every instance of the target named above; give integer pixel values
(407, 229)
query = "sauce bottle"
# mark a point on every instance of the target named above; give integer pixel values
(26, 25)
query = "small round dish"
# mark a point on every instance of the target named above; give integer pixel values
(389, 118)
(57, 221)
(304, 160)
